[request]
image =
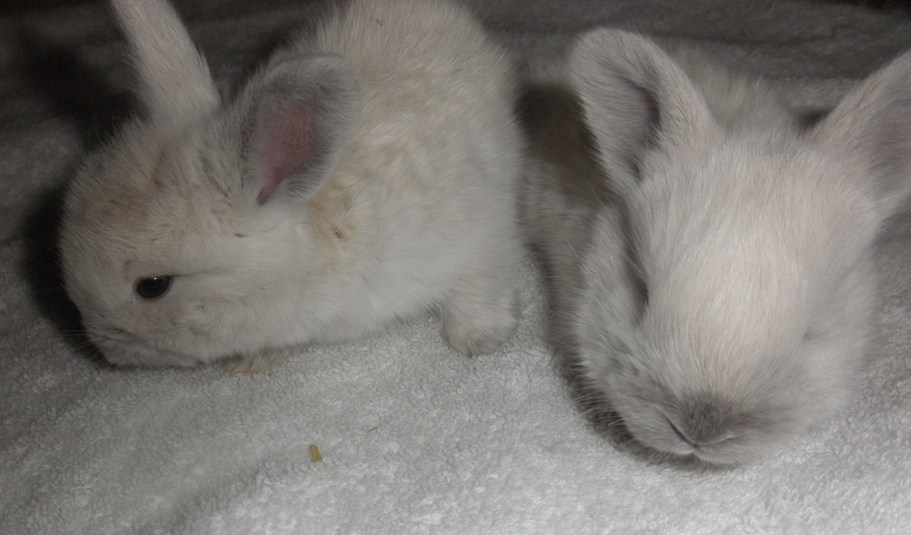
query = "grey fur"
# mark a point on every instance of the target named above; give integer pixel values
(710, 262)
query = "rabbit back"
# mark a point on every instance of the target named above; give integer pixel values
(366, 173)
(723, 303)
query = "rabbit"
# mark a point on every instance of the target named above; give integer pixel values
(367, 173)
(709, 255)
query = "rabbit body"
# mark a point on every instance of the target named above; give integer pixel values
(710, 261)
(365, 174)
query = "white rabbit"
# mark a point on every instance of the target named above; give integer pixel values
(365, 174)
(711, 261)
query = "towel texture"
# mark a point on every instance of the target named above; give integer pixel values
(414, 438)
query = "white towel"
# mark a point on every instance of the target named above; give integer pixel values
(414, 438)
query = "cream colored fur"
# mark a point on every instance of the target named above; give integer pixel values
(400, 196)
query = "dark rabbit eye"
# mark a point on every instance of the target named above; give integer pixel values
(152, 287)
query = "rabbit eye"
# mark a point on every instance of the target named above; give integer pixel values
(152, 287)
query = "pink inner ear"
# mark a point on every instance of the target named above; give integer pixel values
(284, 146)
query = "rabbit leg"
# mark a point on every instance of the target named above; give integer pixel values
(258, 362)
(482, 312)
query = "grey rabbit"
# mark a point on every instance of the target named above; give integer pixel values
(709, 256)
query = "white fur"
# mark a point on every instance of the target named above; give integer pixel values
(711, 262)
(407, 203)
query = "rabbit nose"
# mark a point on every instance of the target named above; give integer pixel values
(703, 422)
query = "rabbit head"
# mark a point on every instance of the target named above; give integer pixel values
(205, 199)
(752, 241)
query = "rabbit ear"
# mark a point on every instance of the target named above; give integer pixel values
(303, 113)
(174, 79)
(873, 122)
(635, 97)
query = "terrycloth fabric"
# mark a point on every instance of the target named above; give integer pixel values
(414, 438)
